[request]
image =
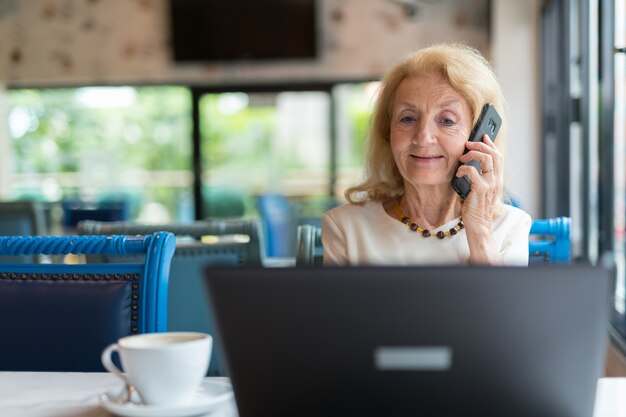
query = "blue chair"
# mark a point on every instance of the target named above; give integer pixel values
(549, 240)
(279, 224)
(59, 317)
(238, 242)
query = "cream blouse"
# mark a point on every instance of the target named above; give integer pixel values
(354, 234)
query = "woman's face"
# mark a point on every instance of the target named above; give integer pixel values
(430, 123)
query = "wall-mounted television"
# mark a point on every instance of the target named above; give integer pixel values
(232, 30)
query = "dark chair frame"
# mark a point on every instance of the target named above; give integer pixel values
(309, 252)
(250, 227)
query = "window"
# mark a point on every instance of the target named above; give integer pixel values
(616, 58)
(102, 143)
(270, 142)
(285, 156)
(306, 145)
(584, 132)
(354, 109)
(136, 143)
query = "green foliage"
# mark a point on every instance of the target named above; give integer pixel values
(152, 134)
(244, 135)
(360, 129)
(148, 130)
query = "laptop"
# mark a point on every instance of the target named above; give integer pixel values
(413, 341)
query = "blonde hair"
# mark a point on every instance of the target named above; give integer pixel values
(465, 69)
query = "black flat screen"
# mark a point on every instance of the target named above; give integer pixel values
(226, 30)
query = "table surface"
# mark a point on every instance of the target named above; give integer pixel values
(51, 394)
(67, 394)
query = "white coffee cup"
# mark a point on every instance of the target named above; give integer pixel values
(165, 368)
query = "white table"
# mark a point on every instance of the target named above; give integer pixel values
(610, 398)
(50, 394)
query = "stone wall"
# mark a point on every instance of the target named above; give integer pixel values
(93, 42)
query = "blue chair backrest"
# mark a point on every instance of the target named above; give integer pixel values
(59, 317)
(549, 240)
(189, 307)
(279, 224)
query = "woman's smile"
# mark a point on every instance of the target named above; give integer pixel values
(430, 122)
(427, 158)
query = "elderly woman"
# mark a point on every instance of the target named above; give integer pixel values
(405, 211)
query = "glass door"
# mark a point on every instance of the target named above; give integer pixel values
(266, 154)
(618, 54)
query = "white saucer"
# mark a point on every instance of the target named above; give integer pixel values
(210, 395)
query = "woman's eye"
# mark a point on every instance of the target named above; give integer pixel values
(447, 122)
(407, 119)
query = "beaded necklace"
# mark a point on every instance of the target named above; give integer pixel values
(425, 232)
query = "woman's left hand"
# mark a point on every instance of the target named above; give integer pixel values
(477, 209)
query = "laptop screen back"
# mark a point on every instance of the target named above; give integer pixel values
(398, 341)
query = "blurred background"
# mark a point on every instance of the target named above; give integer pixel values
(192, 108)
(174, 110)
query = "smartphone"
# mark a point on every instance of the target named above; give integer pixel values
(488, 123)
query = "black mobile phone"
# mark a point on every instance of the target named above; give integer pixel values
(488, 123)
